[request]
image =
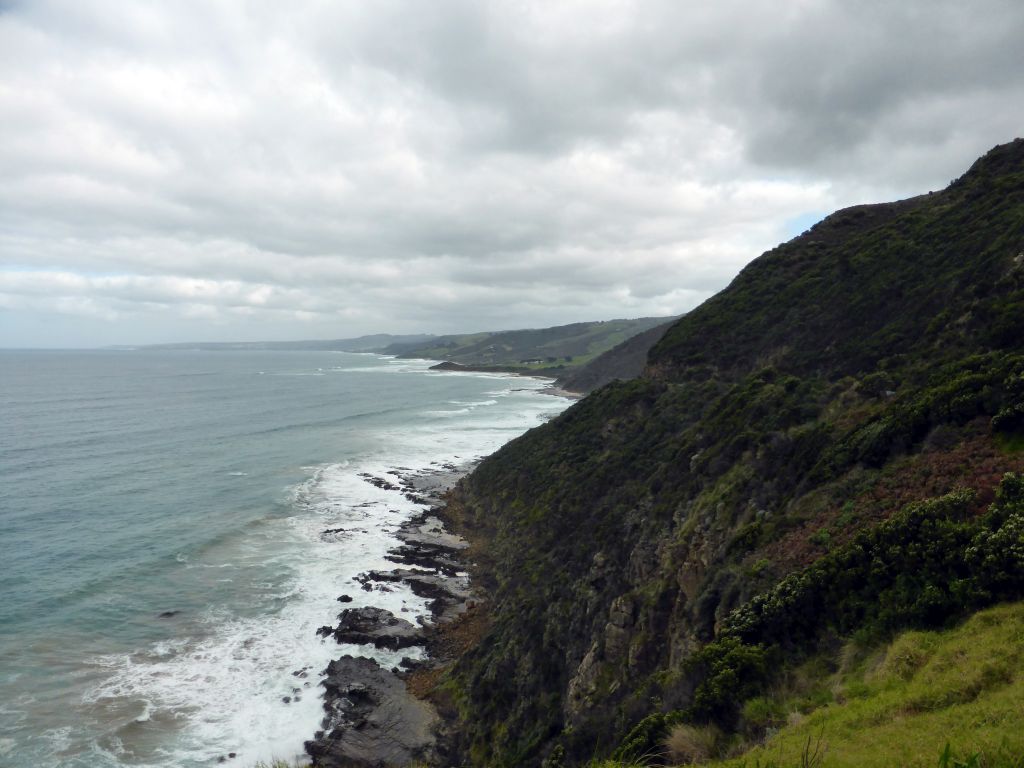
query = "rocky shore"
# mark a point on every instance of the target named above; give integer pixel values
(372, 716)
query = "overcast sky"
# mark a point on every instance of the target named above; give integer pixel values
(210, 170)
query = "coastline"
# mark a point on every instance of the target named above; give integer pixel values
(552, 388)
(377, 716)
(219, 656)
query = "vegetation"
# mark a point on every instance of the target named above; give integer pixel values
(951, 697)
(813, 454)
(548, 350)
(925, 567)
(622, 362)
(955, 695)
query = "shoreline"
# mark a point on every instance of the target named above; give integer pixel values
(551, 389)
(377, 716)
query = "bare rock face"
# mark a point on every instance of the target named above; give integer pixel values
(618, 630)
(372, 721)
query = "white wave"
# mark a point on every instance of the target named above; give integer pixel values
(446, 414)
(223, 689)
(147, 712)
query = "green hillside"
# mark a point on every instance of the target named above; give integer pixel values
(811, 456)
(550, 350)
(902, 703)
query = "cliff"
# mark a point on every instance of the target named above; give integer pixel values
(665, 548)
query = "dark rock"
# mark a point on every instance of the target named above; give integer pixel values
(408, 664)
(379, 482)
(336, 534)
(434, 556)
(344, 599)
(447, 595)
(370, 718)
(377, 627)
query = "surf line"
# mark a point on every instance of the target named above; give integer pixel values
(370, 714)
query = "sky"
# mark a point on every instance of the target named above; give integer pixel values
(201, 170)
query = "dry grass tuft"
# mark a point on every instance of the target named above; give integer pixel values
(686, 744)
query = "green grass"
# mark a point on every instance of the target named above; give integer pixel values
(1011, 443)
(902, 704)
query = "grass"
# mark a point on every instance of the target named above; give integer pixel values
(899, 706)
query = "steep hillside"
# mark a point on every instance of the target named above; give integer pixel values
(549, 350)
(670, 545)
(622, 362)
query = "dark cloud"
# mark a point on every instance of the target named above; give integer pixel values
(260, 170)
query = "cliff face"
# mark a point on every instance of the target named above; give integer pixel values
(876, 360)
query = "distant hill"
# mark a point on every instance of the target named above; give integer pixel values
(373, 343)
(545, 350)
(622, 362)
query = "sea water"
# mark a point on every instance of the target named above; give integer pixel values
(164, 564)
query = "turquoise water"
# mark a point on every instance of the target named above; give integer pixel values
(199, 484)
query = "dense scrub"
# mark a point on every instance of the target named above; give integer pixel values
(926, 567)
(749, 494)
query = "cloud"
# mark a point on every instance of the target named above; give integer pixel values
(259, 170)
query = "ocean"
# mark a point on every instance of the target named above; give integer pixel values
(164, 564)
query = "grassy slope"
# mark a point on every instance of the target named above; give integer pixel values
(560, 348)
(899, 706)
(855, 369)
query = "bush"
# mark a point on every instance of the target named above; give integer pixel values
(762, 713)
(645, 739)
(1009, 420)
(730, 671)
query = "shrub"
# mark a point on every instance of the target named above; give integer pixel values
(1009, 420)
(761, 713)
(928, 566)
(731, 671)
(645, 739)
